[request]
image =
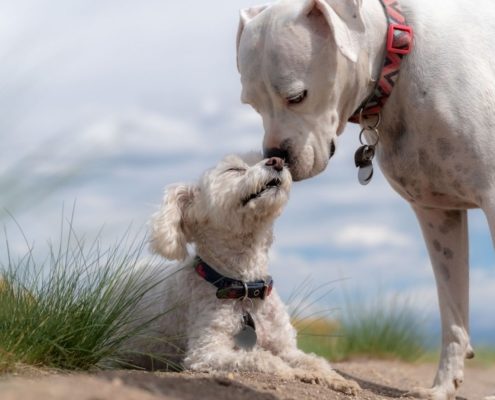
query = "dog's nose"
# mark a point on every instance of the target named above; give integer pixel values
(276, 152)
(276, 163)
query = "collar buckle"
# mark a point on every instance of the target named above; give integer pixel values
(267, 288)
(264, 290)
(246, 291)
(399, 39)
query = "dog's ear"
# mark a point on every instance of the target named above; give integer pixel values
(246, 15)
(345, 21)
(168, 234)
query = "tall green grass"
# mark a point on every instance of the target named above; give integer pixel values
(77, 308)
(383, 330)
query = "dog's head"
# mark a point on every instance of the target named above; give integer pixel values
(300, 63)
(240, 196)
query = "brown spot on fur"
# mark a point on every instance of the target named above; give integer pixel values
(452, 214)
(452, 220)
(398, 132)
(444, 270)
(437, 245)
(448, 253)
(429, 167)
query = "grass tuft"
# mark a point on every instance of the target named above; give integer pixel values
(76, 310)
(373, 330)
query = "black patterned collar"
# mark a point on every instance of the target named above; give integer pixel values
(229, 288)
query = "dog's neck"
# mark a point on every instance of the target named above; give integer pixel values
(376, 24)
(242, 256)
(371, 59)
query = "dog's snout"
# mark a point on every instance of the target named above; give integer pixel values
(276, 163)
(277, 153)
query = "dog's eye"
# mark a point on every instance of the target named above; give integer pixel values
(298, 98)
(236, 169)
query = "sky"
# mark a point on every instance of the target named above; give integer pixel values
(105, 103)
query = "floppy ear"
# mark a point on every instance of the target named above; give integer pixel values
(345, 22)
(168, 236)
(246, 15)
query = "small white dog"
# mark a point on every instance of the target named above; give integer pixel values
(223, 314)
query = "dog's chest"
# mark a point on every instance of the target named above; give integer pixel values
(430, 170)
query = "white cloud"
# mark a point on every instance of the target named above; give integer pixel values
(370, 236)
(141, 131)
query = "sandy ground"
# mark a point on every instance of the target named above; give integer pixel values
(379, 380)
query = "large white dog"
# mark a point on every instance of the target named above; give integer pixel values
(307, 65)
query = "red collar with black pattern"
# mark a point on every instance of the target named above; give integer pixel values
(399, 44)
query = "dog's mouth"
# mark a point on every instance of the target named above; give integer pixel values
(272, 184)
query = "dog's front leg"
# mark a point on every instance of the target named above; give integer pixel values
(282, 341)
(446, 237)
(219, 354)
(212, 347)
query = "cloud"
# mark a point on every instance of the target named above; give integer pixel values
(370, 236)
(140, 131)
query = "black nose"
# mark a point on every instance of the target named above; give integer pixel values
(275, 152)
(276, 163)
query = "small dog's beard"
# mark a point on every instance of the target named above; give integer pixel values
(265, 209)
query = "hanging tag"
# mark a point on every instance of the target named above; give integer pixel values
(365, 174)
(364, 155)
(246, 338)
(363, 160)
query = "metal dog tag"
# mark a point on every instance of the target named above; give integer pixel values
(363, 159)
(365, 174)
(246, 338)
(364, 155)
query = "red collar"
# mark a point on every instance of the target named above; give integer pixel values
(399, 43)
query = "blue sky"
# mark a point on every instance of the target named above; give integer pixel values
(117, 99)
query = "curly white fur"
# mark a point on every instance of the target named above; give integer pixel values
(234, 237)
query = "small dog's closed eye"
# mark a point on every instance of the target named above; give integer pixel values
(224, 311)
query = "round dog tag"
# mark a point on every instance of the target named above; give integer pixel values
(246, 338)
(365, 174)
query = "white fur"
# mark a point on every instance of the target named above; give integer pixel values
(234, 239)
(437, 134)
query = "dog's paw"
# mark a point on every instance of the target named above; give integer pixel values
(308, 377)
(340, 384)
(435, 393)
(333, 380)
